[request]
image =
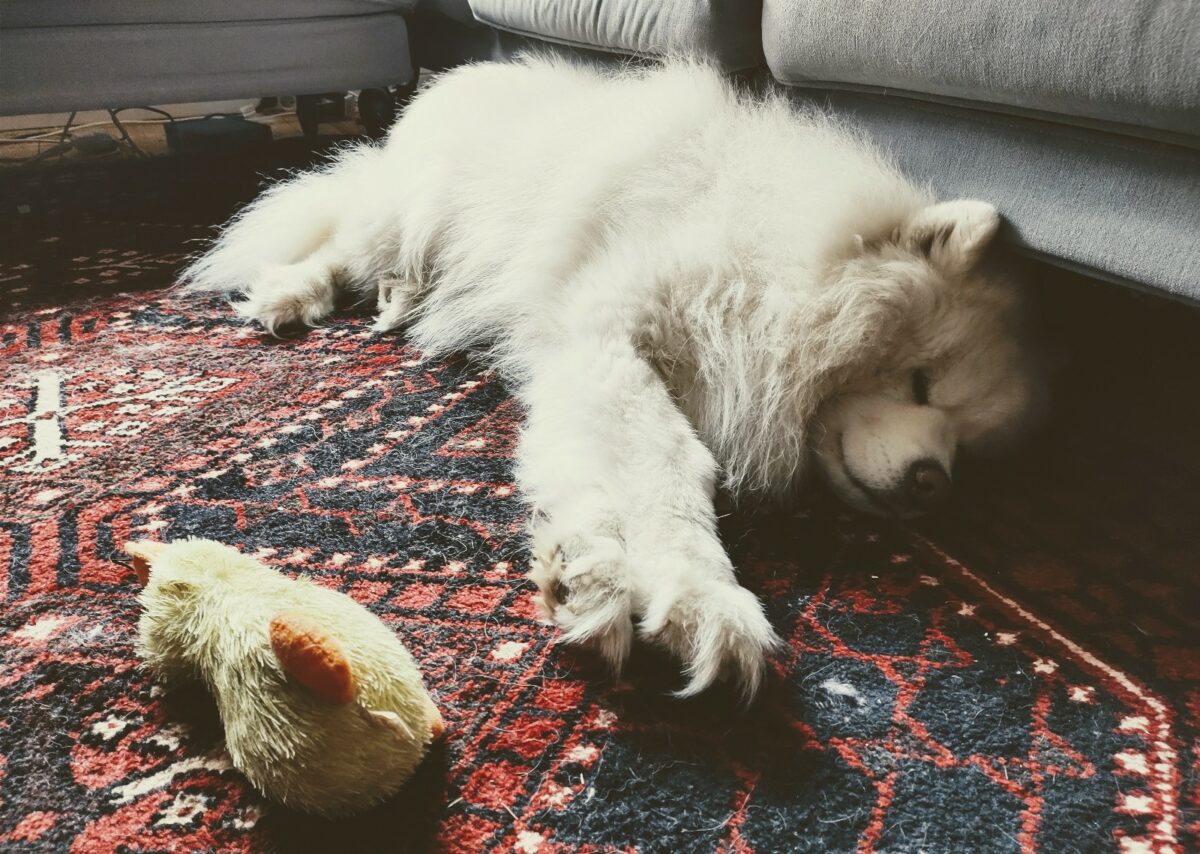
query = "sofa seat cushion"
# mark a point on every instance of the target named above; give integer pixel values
(77, 13)
(723, 31)
(1116, 208)
(1135, 63)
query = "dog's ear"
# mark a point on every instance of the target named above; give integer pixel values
(953, 235)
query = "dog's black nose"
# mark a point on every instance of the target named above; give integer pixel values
(926, 485)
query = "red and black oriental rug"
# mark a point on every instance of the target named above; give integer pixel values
(1022, 675)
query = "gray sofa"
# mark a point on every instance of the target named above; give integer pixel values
(63, 55)
(1080, 122)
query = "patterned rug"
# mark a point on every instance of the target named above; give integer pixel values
(1021, 674)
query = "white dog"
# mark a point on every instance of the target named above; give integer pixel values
(685, 286)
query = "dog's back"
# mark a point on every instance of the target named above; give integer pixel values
(501, 183)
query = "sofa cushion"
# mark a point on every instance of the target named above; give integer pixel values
(724, 31)
(1132, 62)
(74, 13)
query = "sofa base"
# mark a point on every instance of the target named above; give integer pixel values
(58, 69)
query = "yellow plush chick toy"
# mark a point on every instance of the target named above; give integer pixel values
(324, 709)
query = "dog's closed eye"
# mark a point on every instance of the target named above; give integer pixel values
(920, 386)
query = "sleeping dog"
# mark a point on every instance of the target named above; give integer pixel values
(686, 286)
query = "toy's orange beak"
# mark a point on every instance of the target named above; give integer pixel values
(438, 726)
(144, 553)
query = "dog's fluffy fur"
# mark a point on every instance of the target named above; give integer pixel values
(686, 286)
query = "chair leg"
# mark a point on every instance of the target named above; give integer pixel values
(405, 91)
(307, 113)
(311, 110)
(376, 111)
(378, 108)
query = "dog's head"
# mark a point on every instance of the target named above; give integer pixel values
(934, 362)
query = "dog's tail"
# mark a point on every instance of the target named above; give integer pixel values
(284, 225)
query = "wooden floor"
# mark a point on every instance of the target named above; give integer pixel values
(149, 138)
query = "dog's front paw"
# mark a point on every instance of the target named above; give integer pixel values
(584, 586)
(288, 295)
(717, 629)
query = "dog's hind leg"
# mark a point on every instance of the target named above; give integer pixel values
(291, 249)
(284, 295)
